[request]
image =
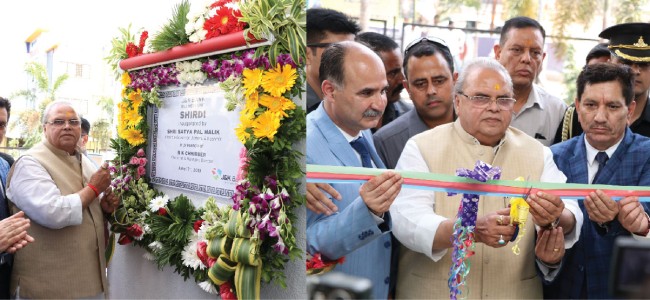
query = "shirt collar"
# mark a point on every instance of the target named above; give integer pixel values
(533, 98)
(591, 151)
(348, 137)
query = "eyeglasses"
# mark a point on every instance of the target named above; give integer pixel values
(483, 101)
(319, 45)
(430, 39)
(61, 123)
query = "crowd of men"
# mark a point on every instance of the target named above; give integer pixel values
(492, 111)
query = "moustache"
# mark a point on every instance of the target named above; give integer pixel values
(371, 113)
(600, 127)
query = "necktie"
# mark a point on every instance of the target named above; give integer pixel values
(361, 146)
(601, 158)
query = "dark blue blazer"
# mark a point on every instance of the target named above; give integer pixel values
(586, 266)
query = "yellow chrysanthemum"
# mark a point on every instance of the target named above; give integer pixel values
(278, 105)
(252, 104)
(136, 98)
(126, 79)
(133, 136)
(132, 117)
(279, 80)
(244, 123)
(122, 109)
(266, 125)
(251, 80)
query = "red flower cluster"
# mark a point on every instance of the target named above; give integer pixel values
(202, 253)
(132, 50)
(133, 232)
(197, 225)
(226, 20)
(316, 262)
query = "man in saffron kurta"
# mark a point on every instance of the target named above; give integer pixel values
(59, 189)
(423, 220)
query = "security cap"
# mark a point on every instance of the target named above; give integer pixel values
(629, 41)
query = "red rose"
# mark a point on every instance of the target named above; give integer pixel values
(134, 230)
(226, 292)
(124, 239)
(197, 225)
(162, 211)
(201, 252)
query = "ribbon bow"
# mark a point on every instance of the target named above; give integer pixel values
(237, 255)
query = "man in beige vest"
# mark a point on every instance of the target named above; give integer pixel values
(423, 220)
(59, 190)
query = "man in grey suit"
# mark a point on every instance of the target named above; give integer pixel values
(354, 86)
(430, 78)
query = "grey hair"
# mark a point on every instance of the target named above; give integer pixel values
(482, 63)
(53, 104)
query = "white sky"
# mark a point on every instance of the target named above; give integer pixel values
(86, 24)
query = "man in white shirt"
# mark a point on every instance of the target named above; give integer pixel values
(521, 52)
(64, 195)
(423, 220)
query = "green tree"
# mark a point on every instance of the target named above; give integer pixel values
(101, 129)
(28, 121)
(628, 11)
(514, 8)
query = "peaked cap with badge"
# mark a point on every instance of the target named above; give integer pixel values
(629, 41)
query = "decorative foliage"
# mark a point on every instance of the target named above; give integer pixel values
(173, 33)
(229, 249)
(284, 20)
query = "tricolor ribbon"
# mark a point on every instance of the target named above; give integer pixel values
(460, 185)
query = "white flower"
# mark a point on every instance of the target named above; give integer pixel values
(146, 229)
(199, 77)
(208, 287)
(148, 256)
(196, 65)
(189, 256)
(156, 246)
(199, 23)
(158, 203)
(189, 27)
(203, 230)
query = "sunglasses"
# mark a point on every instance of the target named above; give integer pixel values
(431, 39)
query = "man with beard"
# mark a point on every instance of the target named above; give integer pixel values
(324, 27)
(354, 87)
(430, 78)
(521, 52)
(391, 56)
